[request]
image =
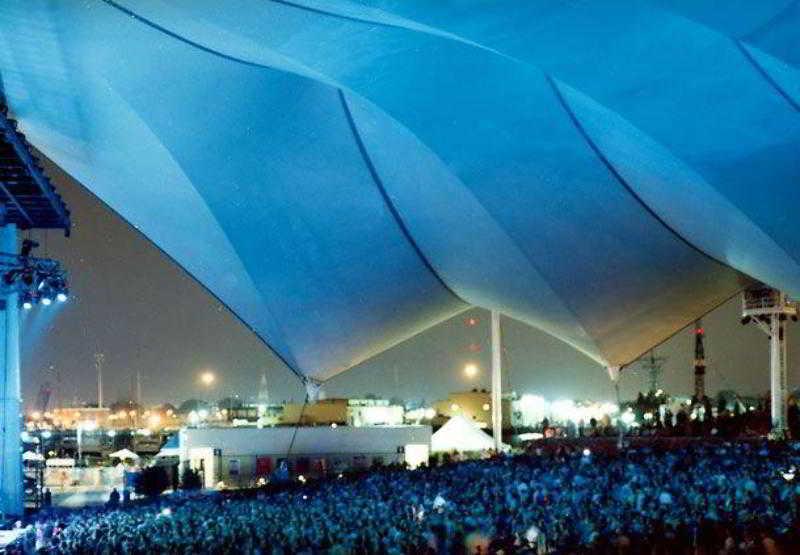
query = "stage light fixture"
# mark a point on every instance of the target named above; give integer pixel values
(61, 297)
(27, 305)
(47, 301)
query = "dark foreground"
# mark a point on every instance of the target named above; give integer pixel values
(701, 499)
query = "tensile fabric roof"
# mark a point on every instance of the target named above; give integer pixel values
(345, 174)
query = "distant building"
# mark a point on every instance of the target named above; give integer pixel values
(475, 405)
(374, 412)
(88, 417)
(240, 457)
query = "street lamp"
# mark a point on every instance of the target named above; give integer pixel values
(207, 378)
(471, 370)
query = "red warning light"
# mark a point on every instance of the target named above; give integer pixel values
(699, 331)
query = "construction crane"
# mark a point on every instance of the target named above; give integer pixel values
(654, 366)
(43, 399)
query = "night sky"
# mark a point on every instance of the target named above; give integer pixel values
(134, 305)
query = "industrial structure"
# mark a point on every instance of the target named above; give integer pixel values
(770, 309)
(27, 201)
(699, 364)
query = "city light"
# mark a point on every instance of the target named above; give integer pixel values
(471, 370)
(628, 418)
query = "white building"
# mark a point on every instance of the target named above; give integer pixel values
(239, 457)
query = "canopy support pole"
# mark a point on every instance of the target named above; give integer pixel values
(497, 384)
(777, 371)
(11, 490)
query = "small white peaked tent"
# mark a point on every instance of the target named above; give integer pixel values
(460, 434)
(124, 454)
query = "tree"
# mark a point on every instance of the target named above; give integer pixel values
(230, 403)
(153, 482)
(192, 404)
(191, 479)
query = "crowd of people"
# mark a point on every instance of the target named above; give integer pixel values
(708, 499)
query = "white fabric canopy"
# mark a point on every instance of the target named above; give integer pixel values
(124, 454)
(462, 435)
(345, 174)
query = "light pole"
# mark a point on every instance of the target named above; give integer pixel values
(99, 358)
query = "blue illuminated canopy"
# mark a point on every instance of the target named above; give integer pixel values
(346, 174)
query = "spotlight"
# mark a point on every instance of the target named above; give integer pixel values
(27, 305)
(47, 301)
(61, 297)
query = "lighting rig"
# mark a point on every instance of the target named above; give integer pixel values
(770, 309)
(38, 280)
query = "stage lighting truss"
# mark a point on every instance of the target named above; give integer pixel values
(37, 280)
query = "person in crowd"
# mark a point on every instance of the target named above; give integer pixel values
(701, 499)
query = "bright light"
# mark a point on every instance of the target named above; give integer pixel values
(586, 452)
(334, 425)
(47, 301)
(628, 418)
(61, 297)
(302, 478)
(166, 511)
(486, 406)
(88, 425)
(154, 420)
(207, 378)
(27, 305)
(194, 418)
(454, 407)
(564, 410)
(111, 433)
(532, 534)
(430, 414)
(202, 413)
(46, 434)
(471, 370)
(36, 415)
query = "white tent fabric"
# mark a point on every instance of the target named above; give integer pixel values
(124, 454)
(31, 456)
(345, 174)
(462, 435)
